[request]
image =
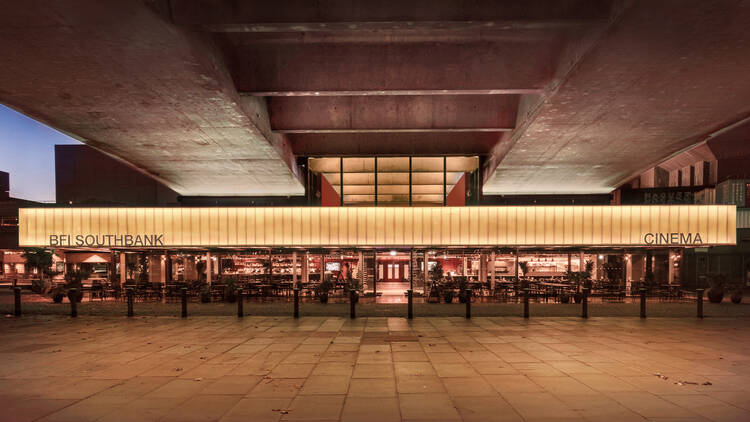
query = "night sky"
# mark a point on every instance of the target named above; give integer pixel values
(27, 152)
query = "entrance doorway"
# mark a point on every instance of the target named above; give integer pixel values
(392, 275)
(393, 271)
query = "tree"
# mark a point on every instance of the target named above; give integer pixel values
(142, 268)
(436, 272)
(581, 277)
(39, 259)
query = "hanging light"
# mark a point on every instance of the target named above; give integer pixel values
(393, 253)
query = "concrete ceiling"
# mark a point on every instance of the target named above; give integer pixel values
(217, 97)
(120, 78)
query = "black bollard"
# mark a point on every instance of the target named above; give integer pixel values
(585, 303)
(296, 303)
(184, 302)
(410, 309)
(129, 292)
(526, 303)
(17, 293)
(73, 296)
(699, 301)
(643, 302)
(352, 311)
(468, 303)
(240, 310)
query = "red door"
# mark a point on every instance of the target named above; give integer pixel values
(394, 271)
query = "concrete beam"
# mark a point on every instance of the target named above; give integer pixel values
(382, 69)
(217, 12)
(661, 78)
(455, 113)
(121, 79)
(394, 143)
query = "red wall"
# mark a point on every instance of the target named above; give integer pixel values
(328, 195)
(457, 196)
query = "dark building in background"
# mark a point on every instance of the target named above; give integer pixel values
(85, 176)
(716, 171)
(9, 254)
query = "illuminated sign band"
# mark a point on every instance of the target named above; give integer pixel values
(673, 239)
(473, 226)
(106, 240)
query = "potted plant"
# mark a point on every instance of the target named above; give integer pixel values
(205, 294)
(58, 293)
(39, 259)
(462, 286)
(200, 268)
(448, 295)
(74, 280)
(142, 268)
(737, 296)
(355, 287)
(735, 288)
(447, 290)
(322, 289)
(436, 276)
(230, 289)
(716, 290)
(524, 266)
(580, 278)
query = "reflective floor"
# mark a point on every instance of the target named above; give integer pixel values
(374, 369)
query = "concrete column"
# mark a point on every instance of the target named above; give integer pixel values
(465, 270)
(581, 262)
(483, 268)
(426, 269)
(123, 268)
(569, 262)
(322, 266)
(361, 268)
(595, 269)
(628, 261)
(638, 267)
(294, 268)
(306, 268)
(209, 266)
(163, 269)
(492, 271)
(670, 266)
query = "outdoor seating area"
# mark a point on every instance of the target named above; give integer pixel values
(377, 276)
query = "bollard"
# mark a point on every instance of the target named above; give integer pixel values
(468, 303)
(699, 299)
(296, 303)
(184, 302)
(643, 302)
(352, 311)
(585, 303)
(129, 292)
(17, 293)
(526, 303)
(72, 296)
(240, 310)
(410, 309)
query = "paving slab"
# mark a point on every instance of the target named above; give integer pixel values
(271, 368)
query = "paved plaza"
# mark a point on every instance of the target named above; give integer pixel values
(373, 369)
